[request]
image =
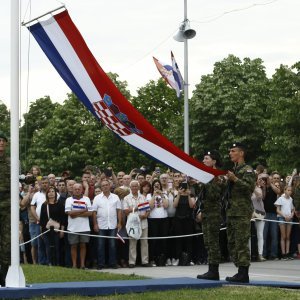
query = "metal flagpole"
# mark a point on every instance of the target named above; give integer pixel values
(186, 91)
(15, 276)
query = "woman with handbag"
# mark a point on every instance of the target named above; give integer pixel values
(52, 214)
(259, 212)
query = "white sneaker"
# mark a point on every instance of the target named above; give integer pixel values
(168, 262)
(175, 262)
(192, 263)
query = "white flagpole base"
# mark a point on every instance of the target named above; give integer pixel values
(15, 277)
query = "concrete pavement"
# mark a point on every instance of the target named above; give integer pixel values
(286, 271)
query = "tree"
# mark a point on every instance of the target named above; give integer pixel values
(230, 105)
(67, 141)
(39, 115)
(283, 140)
(160, 106)
(5, 118)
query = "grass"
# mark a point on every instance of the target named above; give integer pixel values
(43, 274)
(232, 293)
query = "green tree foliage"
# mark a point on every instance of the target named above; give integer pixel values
(39, 115)
(160, 106)
(5, 118)
(228, 105)
(67, 141)
(283, 126)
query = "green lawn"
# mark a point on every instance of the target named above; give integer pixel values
(43, 274)
(40, 274)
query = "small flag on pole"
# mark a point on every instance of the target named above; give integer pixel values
(171, 74)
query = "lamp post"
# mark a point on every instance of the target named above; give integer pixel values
(183, 35)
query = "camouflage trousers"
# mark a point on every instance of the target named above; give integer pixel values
(211, 230)
(5, 238)
(238, 234)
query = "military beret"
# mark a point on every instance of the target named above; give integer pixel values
(3, 136)
(237, 145)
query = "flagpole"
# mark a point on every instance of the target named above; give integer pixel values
(186, 91)
(15, 276)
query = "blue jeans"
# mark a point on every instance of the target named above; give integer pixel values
(35, 230)
(272, 229)
(112, 260)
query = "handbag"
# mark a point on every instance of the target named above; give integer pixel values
(258, 214)
(51, 223)
(133, 226)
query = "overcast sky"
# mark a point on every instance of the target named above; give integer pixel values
(124, 35)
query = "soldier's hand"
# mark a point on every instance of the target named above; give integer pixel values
(231, 176)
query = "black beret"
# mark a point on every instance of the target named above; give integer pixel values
(238, 145)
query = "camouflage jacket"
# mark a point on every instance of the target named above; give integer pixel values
(4, 174)
(212, 199)
(240, 191)
(296, 197)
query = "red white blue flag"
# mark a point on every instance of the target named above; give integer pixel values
(66, 49)
(145, 206)
(171, 74)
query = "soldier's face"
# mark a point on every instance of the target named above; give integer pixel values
(3, 144)
(235, 154)
(208, 161)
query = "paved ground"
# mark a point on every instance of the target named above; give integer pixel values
(287, 271)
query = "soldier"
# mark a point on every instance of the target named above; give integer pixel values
(239, 210)
(211, 217)
(4, 209)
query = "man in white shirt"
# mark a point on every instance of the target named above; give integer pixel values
(34, 227)
(136, 202)
(79, 209)
(107, 218)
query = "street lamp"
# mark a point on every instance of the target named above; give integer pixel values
(183, 35)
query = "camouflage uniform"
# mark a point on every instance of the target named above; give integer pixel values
(239, 214)
(5, 226)
(211, 221)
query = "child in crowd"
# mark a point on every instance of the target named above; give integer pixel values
(285, 213)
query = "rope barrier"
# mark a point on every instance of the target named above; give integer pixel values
(151, 238)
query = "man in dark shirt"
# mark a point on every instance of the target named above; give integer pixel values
(271, 227)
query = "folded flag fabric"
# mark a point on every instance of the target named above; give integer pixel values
(144, 206)
(64, 46)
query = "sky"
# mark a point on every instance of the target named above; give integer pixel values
(123, 35)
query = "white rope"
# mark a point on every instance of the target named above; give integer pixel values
(34, 238)
(151, 238)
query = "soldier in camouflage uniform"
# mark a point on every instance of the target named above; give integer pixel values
(211, 217)
(4, 210)
(239, 210)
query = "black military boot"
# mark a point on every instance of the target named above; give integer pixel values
(212, 274)
(242, 276)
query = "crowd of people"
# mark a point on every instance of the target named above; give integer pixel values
(91, 221)
(168, 204)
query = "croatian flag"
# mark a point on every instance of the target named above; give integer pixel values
(171, 75)
(145, 206)
(79, 205)
(66, 49)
